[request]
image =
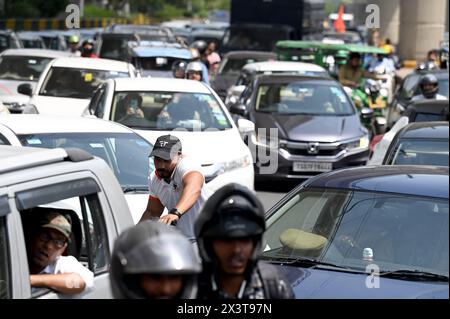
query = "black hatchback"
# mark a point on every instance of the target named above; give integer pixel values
(304, 126)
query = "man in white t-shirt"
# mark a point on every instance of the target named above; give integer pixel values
(176, 184)
(48, 268)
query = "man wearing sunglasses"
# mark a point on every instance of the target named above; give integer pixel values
(48, 268)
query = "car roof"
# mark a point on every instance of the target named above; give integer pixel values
(430, 181)
(438, 130)
(161, 49)
(287, 66)
(14, 158)
(160, 84)
(283, 78)
(37, 53)
(40, 124)
(92, 63)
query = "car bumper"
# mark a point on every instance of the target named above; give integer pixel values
(285, 167)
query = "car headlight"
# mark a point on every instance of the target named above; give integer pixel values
(360, 144)
(232, 165)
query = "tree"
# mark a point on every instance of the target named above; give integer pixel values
(35, 8)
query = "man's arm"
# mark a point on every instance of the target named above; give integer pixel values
(193, 183)
(154, 209)
(69, 283)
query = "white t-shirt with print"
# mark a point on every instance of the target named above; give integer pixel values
(169, 194)
(69, 264)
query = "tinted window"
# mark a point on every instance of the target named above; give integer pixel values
(125, 153)
(421, 152)
(76, 83)
(403, 232)
(169, 110)
(22, 68)
(302, 98)
(5, 281)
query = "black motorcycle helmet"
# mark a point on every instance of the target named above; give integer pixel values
(179, 69)
(233, 211)
(429, 80)
(200, 45)
(152, 248)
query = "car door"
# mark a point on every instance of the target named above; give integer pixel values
(79, 194)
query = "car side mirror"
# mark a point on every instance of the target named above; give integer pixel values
(238, 109)
(366, 113)
(25, 88)
(245, 126)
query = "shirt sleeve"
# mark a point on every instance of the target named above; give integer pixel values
(69, 264)
(151, 182)
(187, 166)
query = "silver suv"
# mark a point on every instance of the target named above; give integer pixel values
(71, 181)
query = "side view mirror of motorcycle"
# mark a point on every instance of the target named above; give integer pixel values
(366, 113)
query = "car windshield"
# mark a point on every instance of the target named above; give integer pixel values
(235, 65)
(125, 153)
(76, 83)
(22, 68)
(253, 38)
(421, 152)
(410, 86)
(349, 228)
(4, 42)
(303, 98)
(162, 63)
(168, 111)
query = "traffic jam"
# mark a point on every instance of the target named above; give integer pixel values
(264, 150)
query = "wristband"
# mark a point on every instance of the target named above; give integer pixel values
(175, 211)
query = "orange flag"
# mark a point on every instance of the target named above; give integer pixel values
(339, 24)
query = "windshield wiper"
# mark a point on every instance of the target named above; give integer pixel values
(300, 261)
(134, 189)
(414, 274)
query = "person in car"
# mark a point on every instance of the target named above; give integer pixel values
(229, 234)
(429, 86)
(154, 261)
(130, 106)
(48, 267)
(177, 184)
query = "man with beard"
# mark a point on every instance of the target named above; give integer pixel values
(176, 184)
(48, 268)
(229, 233)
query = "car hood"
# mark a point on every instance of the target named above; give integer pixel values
(326, 284)
(59, 105)
(9, 87)
(205, 147)
(316, 128)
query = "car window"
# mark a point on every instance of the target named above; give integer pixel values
(4, 42)
(337, 226)
(78, 202)
(22, 68)
(97, 104)
(125, 153)
(443, 87)
(169, 111)
(5, 280)
(3, 140)
(302, 98)
(76, 83)
(421, 152)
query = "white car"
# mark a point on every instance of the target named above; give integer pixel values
(19, 66)
(67, 84)
(188, 109)
(250, 70)
(122, 149)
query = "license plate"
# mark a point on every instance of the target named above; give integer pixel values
(312, 167)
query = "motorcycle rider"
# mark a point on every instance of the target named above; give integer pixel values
(229, 232)
(179, 69)
(351, 74)
(429, 86)
(153, 260)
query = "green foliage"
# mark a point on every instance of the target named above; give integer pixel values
(169, 11)
(91, 11)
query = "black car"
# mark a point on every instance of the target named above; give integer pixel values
(428, 110)
(364, 232)
(231, 66)
(408, 88)
(421, 143)
(9, 40)
(304, 125)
